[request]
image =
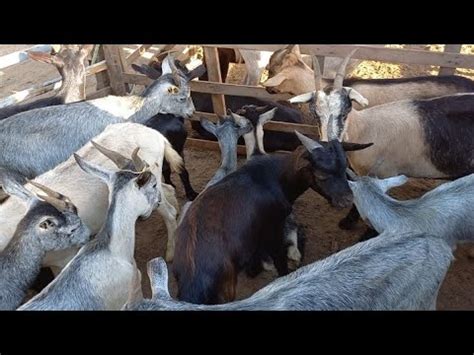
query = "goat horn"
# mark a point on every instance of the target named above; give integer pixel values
(308, 143)
(54, 198)
(58, 204)
(174, 71)
(317, 74)
(119, 160)
(341, 72)
(351, 174)
(140, 165)
(47, 190)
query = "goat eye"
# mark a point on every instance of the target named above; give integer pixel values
(47, 224)
(173, 89)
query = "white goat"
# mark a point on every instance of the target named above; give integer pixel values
(90, 195)
(104, 274)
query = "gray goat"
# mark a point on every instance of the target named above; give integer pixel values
(51, 223)
(395, 271)
(445, 211)
(35, 141)
(227, 132)
(103, 274)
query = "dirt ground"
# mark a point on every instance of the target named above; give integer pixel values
(315, 215)
(319, 221)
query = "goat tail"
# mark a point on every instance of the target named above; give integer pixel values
(173, 158)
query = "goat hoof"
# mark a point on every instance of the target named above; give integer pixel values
(347, 224)
(293, 264)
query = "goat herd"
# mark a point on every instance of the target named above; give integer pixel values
(76, 174)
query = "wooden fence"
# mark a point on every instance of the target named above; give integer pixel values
(117, 66)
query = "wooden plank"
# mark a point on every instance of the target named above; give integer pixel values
(138, 53)
(214, 74)
(47, 86)
(210, 145)
(215, 88)
(270, 126)
(115, 68)
(373, 52)
(35, 90)
(21, 56)
(102, 79)
(96, 68)
(450, 48)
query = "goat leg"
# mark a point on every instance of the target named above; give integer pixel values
(166, 171)
(350, 220)
(169, 213)
(190, 193)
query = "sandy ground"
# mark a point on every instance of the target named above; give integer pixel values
(311, 210)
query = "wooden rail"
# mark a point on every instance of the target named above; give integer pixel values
(116, 65)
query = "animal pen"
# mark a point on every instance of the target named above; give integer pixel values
(111, 66)
(114, 72)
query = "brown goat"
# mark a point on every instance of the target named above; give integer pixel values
(232, 224)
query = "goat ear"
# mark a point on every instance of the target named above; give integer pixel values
(150, 72)
(167, 65)
(196, 72)
(275, 80)
(302, 159)
(303, 98)
(208, 125)
(92, 169)
(86, 49)
(387, 184)
(356, 96)
(12, 184)
(295, 49)
(349, 147)
(45, 58)
(158, 274)
(267, 116)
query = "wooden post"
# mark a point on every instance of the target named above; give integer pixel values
(214, 74)
(450, 48)
(102, 78)
(115, 68)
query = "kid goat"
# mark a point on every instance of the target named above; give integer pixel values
(103, 273)
(50, 223)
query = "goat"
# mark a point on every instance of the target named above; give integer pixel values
(203, 103)
(51, 223)
(395, 271)
(172, 127)
(257, 117)
(429, 138)
(215, 239)
(227, 131)
(445, 211)
(90, 195)
(289, 74)
(71, 63)
(102, 274)
(37, 140)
